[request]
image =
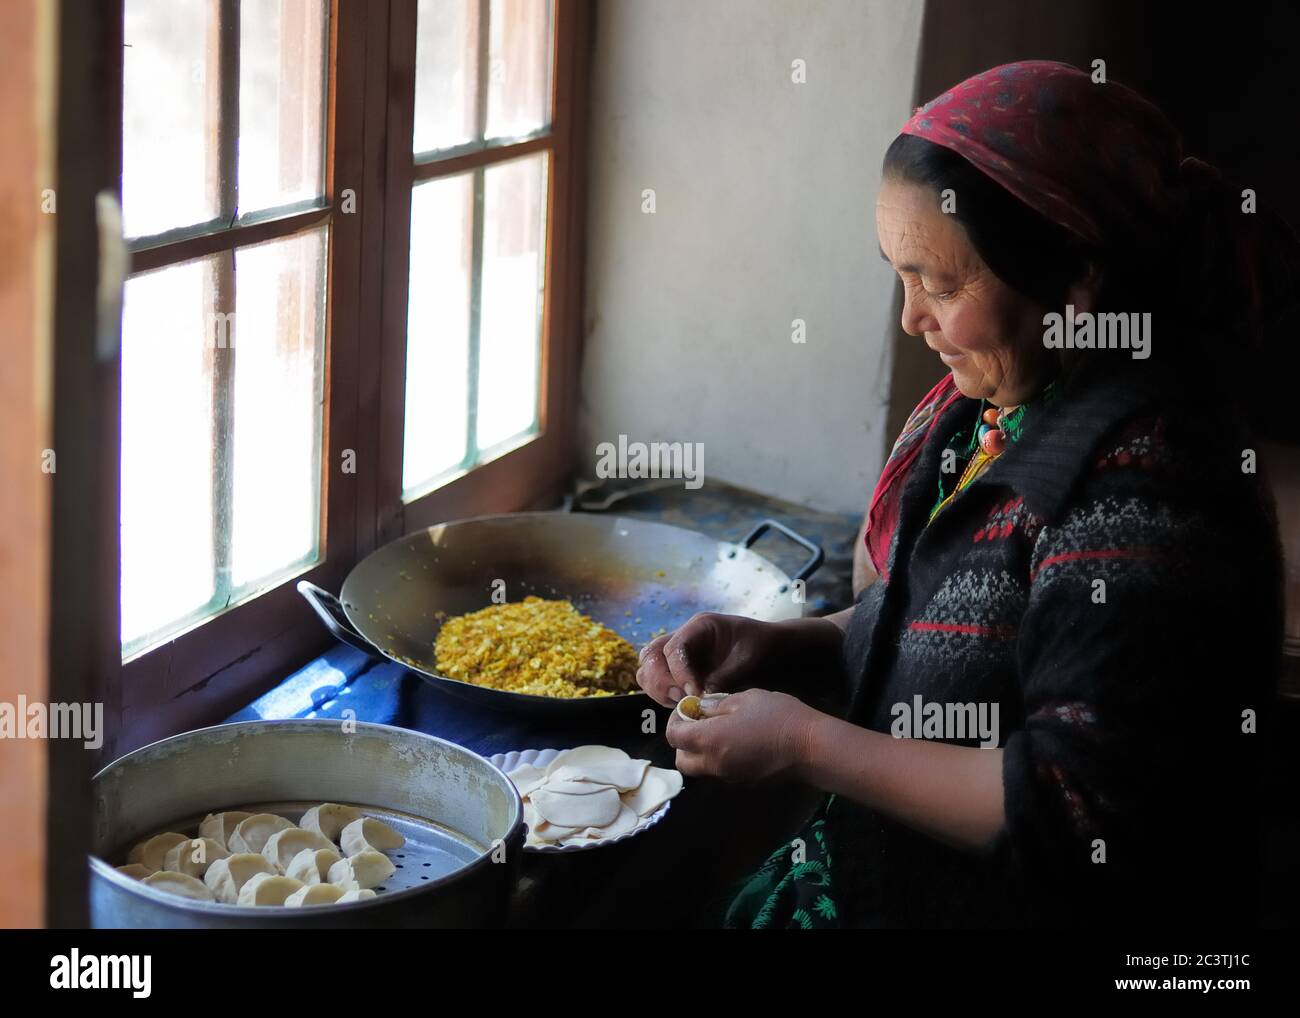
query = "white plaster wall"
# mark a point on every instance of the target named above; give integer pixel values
(765, 194)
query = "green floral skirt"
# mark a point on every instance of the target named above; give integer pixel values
(792, 889)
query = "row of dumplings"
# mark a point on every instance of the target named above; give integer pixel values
(333, 856)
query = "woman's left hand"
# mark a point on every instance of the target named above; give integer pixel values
(747, 736)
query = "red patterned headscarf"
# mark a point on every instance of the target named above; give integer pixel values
(1097, 159)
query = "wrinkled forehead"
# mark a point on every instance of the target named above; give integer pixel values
(915, 234)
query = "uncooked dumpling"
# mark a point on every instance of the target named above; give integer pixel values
(280, 850)
(181, 884)
(134, 870)
(688, 707)
(594, 810)
(252, 833)
(312, 865)
(369, 833)
(227, 876)
(365, 869)
(315, 894)
(657, 787)
(268, 889)
(699, 708)
(356, 894)
(219, 826)
(329, 819)
(603, 765)
(152, 853)
(194, 857)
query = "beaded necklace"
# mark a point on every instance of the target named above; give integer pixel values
(995, 428)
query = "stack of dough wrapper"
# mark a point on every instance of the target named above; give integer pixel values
(334, 855)
(590, 794)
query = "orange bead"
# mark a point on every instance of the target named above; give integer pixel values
(993, 442)
(991, 415)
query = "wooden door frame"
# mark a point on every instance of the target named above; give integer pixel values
(27, 158)
(84, 649)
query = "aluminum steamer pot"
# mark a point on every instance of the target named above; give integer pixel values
(450, 803)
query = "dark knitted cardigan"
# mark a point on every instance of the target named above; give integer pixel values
(1121, 705)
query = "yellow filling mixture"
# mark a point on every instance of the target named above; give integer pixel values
(545, 648)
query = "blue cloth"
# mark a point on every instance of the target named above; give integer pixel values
(383, 692)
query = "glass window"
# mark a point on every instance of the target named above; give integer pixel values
(222, 355)
(478, 239)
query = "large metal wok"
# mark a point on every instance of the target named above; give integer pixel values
(637, 577)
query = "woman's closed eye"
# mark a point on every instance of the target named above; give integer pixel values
(913, 281)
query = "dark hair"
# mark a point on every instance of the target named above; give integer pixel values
(1025, 250)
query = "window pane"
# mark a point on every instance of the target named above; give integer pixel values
(514, 205)
(437, 329)
(169, 114)
(280, 315)
(281, 102)
(167, 400)
(519, 67)
(446, 74)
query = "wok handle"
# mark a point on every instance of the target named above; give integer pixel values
(808, 568)
(330, 610)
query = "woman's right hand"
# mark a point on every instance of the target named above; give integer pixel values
(715, 653)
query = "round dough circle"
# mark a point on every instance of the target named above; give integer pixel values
(594, 810)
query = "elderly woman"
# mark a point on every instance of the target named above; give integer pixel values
(1043, 711)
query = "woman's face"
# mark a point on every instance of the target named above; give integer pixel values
(989, 335)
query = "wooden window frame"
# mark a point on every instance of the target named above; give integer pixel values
(534, 469)
(215, 667)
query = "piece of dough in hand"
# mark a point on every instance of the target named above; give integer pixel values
(698, 708)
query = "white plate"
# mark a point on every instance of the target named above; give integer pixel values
(507, 762)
